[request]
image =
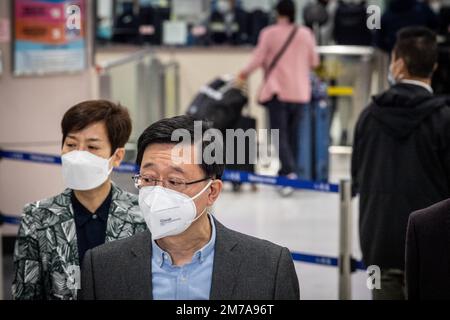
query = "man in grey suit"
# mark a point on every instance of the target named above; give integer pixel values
(186, 254)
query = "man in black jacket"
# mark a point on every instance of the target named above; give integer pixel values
(401, 157)
(428, 253)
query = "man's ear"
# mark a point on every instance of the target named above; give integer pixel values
(400, 69)
(118, 156)
(216, 188)
(436, 65)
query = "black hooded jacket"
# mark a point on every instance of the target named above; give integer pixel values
(400, 164)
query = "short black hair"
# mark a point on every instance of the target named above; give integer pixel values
(417, 46)
(161, 132)
(116, 118)
(286, 8)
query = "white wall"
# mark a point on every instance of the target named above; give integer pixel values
(30, 111)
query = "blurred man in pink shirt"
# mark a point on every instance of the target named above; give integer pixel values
(286, 87)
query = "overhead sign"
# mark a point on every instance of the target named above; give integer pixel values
(4, 31)
(49, 36)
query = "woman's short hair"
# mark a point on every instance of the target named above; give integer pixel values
(115, 117)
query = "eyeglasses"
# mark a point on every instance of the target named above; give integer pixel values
(176, 184)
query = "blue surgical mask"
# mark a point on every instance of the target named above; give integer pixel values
(391, 79)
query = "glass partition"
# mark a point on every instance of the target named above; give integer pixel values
(147, 87)
(349, 72)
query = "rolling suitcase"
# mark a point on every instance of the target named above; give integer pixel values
(322, 124)
(305, 150)
(314, 135)
(245, 123)
(248, 165)
(221, 103)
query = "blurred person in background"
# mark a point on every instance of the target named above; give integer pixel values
(400, 14)
(401, 157)
(287, 54)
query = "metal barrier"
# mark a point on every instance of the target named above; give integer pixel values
(345, 240)
(353, 81)
(150, 93)
(345, 263)
(1, 262)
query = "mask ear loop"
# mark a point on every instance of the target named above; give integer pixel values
(196, 196)
(198, 217)
(109, 160)
(203, 190)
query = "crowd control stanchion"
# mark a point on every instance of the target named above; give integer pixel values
(1, 263)
(1, 247)
(345, 240)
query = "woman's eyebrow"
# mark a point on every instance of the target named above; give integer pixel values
(72, 137)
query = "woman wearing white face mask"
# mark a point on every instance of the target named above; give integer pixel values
(55, 233)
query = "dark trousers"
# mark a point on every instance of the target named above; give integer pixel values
(285, 117)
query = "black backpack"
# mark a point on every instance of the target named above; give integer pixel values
(258, 20)
(153, 16)
(219, 102)
(350, 24)
(126, 26)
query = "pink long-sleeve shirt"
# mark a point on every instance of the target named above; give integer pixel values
(290, 78)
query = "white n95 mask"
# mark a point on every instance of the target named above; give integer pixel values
(168, 212)
(83, 170)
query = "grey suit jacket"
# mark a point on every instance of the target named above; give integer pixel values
(245, 268)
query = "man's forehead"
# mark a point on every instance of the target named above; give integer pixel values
(159, 156)
(168, 150)
(160, 165)
(158, 147)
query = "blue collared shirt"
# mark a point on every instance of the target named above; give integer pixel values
(191, 281)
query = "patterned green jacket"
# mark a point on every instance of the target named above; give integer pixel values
(46, 253)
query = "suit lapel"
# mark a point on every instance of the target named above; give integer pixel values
(226, 264)
(447, 211)
(139, 277)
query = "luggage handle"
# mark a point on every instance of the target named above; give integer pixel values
(212, 93)
(217, 94)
